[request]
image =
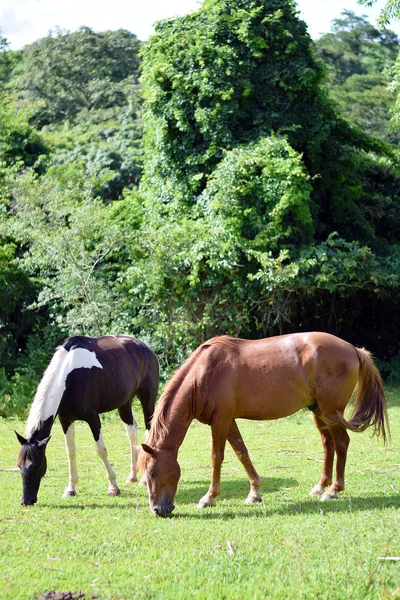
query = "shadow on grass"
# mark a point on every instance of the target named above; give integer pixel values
(79, 505)
(233, 488)
(310, 506)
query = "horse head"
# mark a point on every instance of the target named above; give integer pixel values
(162, 473)
(33, 465)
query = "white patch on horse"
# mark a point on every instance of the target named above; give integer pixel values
(27, 463)
(52, 386)
(132, 431)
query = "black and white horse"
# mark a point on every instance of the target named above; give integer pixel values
(86, 377)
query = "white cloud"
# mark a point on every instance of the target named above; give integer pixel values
(11, 23)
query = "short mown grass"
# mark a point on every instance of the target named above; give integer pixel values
(289, 546)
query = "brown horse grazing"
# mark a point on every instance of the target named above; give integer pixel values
(86, 377)
(228, 378)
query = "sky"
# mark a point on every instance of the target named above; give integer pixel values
(24, 21)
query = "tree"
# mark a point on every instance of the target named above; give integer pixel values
(21, 146)
(8, 61)
(69, 241)
(359, 57)
(68, 72)
(20, 143)
(248, 165)
(390, 12)
(218, 78)
(82, 92)
(106, 143)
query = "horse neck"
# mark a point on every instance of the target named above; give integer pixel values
(49, 393)
(176, 423)
(43, 431)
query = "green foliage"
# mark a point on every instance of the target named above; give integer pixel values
(20, 146)
(261, 210)
(261, 193)
(17, 291)
(220, 77)
(18, 386)
(85, 97)
(355, 47)
(389, 12)
(67, 236)
(241, 220)
(191, 280)
(8, 61)
(20, 143)
(395, 87)
(69, 72)
(105, 143)
(359, 58)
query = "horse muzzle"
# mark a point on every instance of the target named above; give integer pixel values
(162, 511)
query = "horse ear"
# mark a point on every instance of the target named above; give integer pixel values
(148, 449)
(21, 439)
(43, 442)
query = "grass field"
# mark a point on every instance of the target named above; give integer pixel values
(289, 546)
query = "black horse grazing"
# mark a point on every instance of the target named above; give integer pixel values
(85, 377)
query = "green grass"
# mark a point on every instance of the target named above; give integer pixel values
(290, 546)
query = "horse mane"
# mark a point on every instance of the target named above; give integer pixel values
(48, 389)
(159, 423)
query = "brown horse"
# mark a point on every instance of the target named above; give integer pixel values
(228, 378)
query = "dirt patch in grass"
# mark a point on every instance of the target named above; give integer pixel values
(53, 595)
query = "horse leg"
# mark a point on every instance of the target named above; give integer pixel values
(329, 452)
(341, 440)
(95, 425)
(126, 415)
(236, 441)
(69, 433)
(219, 435)
(147, 393)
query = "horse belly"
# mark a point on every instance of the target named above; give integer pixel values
(279, 393)
(113, 397)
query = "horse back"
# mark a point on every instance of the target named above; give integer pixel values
(275, 377)
(124, 362)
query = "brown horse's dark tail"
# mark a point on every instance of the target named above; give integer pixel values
(369, 400)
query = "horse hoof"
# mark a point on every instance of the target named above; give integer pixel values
(329, 496)
(113, 492)
(131, 479)
(317, 490)
(253, 499)
(206, 503)
(68, 493)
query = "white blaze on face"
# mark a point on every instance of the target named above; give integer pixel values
(54, 382)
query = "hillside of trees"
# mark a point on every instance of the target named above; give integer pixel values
(229, 175)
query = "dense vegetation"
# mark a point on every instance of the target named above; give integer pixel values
(359, 58)
(227, 176)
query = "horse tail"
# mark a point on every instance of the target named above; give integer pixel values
(369, 400)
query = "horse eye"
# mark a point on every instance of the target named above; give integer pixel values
(154, 473)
